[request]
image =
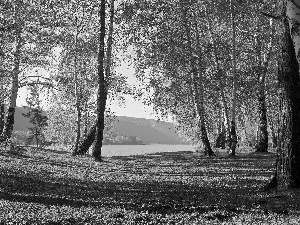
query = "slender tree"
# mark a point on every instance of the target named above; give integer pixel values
(221, 86)
(80, 22)
(102, 88)
(232, 138)
(77, 92)
(36, 118)
(263, 60)
(2, 114)
(197, 84)
(95, 134)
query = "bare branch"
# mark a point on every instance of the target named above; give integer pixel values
(275, 17)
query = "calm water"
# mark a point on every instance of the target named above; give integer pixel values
(125, 150)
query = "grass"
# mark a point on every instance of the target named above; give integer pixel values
(39, 186)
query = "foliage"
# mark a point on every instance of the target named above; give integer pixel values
(154, 31)
(71, 104)
(151, 34)
(20, 137)
(36, 118)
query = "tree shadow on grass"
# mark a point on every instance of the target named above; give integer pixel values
(45, 200)
(153, 197)
(159, 197)
(158, 192)
(155, 201)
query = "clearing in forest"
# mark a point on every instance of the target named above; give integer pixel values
(43, 186)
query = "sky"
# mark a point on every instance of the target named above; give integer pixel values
(132, 107)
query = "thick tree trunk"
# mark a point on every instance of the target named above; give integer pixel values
(289, 142)
(274, 135)
(102, 92)
(198, 97)
(9, 125)
(8, 129)
(288, 167)
(207, 148)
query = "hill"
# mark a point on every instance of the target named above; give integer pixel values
(149, 130)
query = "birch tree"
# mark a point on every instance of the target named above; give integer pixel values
(103, 78)
(232, 137)
(111, 84)
(197, 84)
(31, 46)
(263, 59)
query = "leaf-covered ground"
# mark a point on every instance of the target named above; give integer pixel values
(52, 187)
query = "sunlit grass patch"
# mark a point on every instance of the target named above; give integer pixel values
(52, 186)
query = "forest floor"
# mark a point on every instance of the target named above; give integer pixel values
(39, 186)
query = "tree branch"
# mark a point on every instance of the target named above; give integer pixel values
(275, 17)
(295, 4)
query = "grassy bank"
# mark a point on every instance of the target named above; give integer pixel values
(52, 187)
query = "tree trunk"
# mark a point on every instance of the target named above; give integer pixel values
(86, 119)
(2, 114)
(232, 139)
(288, 167)
(110, 42)
(231, 144)
(262, 133)
(96, 131)
(226, 118)
(220, 140)
(87, 142)
(9, 125)
(197, 88)
(77, 94)
(274, 135)
(226, 133)
(198, 95)
(37, 138)
(102, 88)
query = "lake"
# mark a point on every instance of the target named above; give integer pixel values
(126, 150)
